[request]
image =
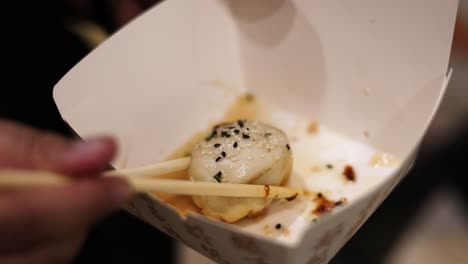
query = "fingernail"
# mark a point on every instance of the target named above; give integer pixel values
(120, 192)
(85, 148)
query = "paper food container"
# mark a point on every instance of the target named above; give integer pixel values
(352, 83)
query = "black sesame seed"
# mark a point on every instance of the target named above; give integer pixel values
(218, 159)
(225, 134)
(319, 195)
(240, 123)
(248, 129)
(339, 203)
(287, 146)
(278, 226)
(236, 131)
(235, 144)
(217, 176)
(217, 145)
(213, 134)
(329, 166)
(245, 135)
(223, 154)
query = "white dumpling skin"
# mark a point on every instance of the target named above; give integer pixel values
(249, 152)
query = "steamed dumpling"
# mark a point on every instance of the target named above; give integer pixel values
(240, 152)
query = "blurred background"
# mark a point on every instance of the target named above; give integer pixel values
(425, 219)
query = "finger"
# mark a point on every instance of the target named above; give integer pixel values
(36, 215)
(29, 148)
(55, 252)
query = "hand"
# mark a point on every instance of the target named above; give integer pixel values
(49, 224)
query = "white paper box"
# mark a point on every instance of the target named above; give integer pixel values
(373, 66)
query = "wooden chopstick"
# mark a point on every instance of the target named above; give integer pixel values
(22, 178)
(153, 170)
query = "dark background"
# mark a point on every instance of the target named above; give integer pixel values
(38, 51)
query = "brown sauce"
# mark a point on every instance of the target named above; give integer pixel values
(267, 190)
(349, 173)
(289, 199)
(325, 205)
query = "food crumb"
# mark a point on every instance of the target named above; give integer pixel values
(329, 166)
(313, 128)
(340, 202)
(278, 226)
(349, 173)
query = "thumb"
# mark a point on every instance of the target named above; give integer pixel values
(28, 148)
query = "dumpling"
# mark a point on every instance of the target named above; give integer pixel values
(240, 152)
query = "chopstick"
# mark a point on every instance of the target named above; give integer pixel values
(153, 170)
(21, 178)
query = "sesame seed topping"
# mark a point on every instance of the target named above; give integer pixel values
(217, 145)
(223, 154)
(236, 131)
(235, 144)
(287, 146)
(240, 123)
(217, 176)
(218, 159)
(245, 135)
(213, 134)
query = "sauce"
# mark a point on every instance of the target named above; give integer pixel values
(325, 205)
(349, 173)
